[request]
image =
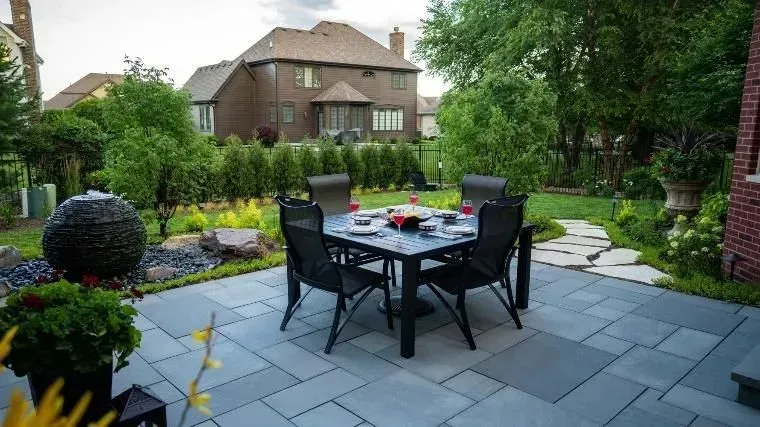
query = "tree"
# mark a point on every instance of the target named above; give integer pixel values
(499, 126)
(234, 173)
(15, 109)
(308, 163)
(370, 158)
(406, 163)
(285, 172)
(330, 160)
(155, 150)
(354, 166)
(258, 165)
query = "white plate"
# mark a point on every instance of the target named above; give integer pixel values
(459, 215)
(367, 213)
(363, 229)
(459, 229)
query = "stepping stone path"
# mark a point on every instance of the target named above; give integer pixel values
(588, 248)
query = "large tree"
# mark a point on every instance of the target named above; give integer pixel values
(15, 109)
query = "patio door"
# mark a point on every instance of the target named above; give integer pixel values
(320, 120)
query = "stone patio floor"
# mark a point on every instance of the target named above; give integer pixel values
(594, 350)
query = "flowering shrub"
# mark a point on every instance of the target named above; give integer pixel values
(698, 248)
(599, 188)
(227, 220)
(687, 155)
(196, 221)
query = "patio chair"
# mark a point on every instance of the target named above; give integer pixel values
(500, 221)
(333, 193)
(302, 225)
(480, 188)
(419, 182)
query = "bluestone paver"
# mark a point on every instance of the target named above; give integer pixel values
(650, 402)
(607, 343)
(473, 385)
(363, 364)
(713, 407)
(651, 368)
(564, 323)
(637, 417)
(264, 331)
(295, 360)
(689, 343)
(640, 330)
(601, 397)
(713, 375)
(180, 316)
(158, 345)
(313, 392)
(690, 315)
(373, 341)
(327, 415)
(501, 338)
(254, 413)
(240, 294)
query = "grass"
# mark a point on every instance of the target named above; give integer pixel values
(568, 206)
(26, 240)
(696, 284)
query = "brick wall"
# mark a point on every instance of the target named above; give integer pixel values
(743, 225)
(21, 14)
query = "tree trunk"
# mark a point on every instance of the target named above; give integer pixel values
(162, 227)
(579, 135)
(607, 163)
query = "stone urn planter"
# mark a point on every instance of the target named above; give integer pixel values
(684, 197)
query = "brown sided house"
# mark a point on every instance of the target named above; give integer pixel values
(309, 82)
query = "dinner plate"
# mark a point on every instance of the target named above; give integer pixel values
(459, 229)
(367, 213)
(363, 229)
(450, 215)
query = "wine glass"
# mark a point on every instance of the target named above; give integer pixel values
(414, 198)
(467, 207)
(398, 217)
(353, 204)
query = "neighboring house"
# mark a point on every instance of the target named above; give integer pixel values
(19, 37)
(309, 82)
(91, 86)
(427, 107)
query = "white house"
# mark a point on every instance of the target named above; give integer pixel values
(427, 107)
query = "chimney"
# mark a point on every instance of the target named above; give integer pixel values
(21, 14)
(396, 44)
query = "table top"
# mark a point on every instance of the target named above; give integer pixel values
(413, 243)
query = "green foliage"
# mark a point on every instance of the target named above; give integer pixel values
(715, 206)
(227, 220)
(499, 126)
(249, 216)
(546, 228)
(196, 221)
(354, 165)
(406, 163)
(234, 172)
(698, 165)
(598, 188)
(67, 329)
(7, 215)
(627, 214)
(92, 109)
(640, 183)
(330, 160)
(705, 286)
(64, 131)
(387, 169)
(261, 173)
(699, 247)
(15, 109)
(647, 231)
(370, 158)
(451, 202)
(308, 163)
(285, 171)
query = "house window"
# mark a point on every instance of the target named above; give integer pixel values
(288, 114)
(369, 74)
(398, 80)
(307, 76)
(357, 118)
(388, 119)
(338, 117)
(272, 114)
(205, 117)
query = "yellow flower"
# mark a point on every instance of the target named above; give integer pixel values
(199, 400)
(212, 363)
(5, 344)
(201, 336)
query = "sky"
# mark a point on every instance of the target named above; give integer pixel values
(76, 37)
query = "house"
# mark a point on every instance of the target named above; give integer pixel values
(309, 82)
(91, 86)
(19, 37)
(427, 107)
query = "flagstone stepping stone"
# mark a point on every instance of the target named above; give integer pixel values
(617, 257)
(571, 221)
(588, 232)
(559, 258)
(638, 273)
(578, 240)
(588, 226)
(573, 249)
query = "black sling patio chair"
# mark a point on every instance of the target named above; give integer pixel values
(500, 221)
(333, 193)
(480, 188)
(302, 225)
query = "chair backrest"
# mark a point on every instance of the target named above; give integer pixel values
(499, 224)
(418, 180)
(302, 223)
(480, 188)
(331, 192)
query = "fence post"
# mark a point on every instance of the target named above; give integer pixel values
(419, 155)
(440, 168)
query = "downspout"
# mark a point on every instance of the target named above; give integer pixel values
(277, 100)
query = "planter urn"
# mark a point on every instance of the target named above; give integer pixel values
(684, 197)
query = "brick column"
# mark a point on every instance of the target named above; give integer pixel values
(743, 224)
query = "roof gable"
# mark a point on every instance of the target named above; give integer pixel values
(207, 81)
(427, 104)
(81, 89)
(342, 92)
(327, 42)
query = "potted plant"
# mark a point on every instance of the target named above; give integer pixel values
(71, 332)
(686, 163)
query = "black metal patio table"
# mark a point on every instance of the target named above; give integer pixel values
(410, 249)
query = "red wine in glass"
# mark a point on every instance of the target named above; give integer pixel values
(414, 198)
(467, 207)
(398, 218)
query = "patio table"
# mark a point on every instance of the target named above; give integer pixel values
(410, 249)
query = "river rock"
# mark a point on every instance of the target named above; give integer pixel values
(175, 242)
(232, 243)
(9, 257)
(159, 273)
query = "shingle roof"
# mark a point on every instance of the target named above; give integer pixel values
(427, 104)
(80, 89)
(207, 80)
(342, 92)
(328, 42)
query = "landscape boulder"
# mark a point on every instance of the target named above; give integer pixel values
(176, 242)
(234, 243)
(9, 257)
(159, 273)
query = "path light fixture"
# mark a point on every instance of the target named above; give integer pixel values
(614, 204)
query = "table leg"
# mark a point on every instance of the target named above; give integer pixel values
(409, 272)
(523, 268)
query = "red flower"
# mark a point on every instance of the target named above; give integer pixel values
(32, 301)
(90, 281)
(113, 284)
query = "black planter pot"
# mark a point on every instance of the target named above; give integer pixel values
(74, 387)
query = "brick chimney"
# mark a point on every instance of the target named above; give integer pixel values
(21, 13)
(396, 44)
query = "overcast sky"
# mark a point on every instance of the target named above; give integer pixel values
(76, 37)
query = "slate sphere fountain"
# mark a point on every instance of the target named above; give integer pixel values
(97, 233)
